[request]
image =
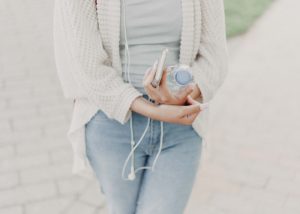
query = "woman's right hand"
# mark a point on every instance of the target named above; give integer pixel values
(180, 114)
(184, 115)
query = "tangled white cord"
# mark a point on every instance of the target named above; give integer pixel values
(131, 175)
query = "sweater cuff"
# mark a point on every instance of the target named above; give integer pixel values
(123, 111)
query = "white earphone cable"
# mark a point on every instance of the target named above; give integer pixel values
(131, 176)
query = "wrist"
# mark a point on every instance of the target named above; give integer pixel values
(144, 107)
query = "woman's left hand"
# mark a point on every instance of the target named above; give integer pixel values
(162, 94)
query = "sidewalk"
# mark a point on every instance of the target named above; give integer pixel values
(35, 156)
(254, 165)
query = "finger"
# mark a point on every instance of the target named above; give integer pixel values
(153, 96)
(192, 101)
(151, 75)
(154, 68)
(164, 78)
(156, 100)
(147, 73)
(190, 118)
(153, 92)
(190, 110)
(163, 82)
(164, 90)
(182, 95)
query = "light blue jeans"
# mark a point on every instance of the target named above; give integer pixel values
(165, 190)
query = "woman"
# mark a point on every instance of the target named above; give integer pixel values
(118, 114)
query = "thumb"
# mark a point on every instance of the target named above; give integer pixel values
(185, 92)
(147, 72)
(191, 101)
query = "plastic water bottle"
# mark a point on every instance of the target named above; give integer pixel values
(179, 77)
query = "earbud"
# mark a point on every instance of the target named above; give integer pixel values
(131, 176)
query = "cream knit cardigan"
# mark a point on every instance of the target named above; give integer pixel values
(86, 45)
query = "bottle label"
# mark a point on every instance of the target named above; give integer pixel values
(178, 77)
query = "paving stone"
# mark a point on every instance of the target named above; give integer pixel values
(53, 206)
(36, 123)
(79, 208)
(23, 136)
(233, 203)
(282, 186)
(292, 203)
(45, 173)
(12, 210)
(8, 180)
(26, 194)
(62, 155)
(93, 196)
(46, 144)
(6, 151)
(24, 162)
(72, 186)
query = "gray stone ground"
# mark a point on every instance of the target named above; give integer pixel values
(254, 166)
(254, 163)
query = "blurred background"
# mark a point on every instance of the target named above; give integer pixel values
(253, 161)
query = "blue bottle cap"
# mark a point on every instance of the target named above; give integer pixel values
(183, 77)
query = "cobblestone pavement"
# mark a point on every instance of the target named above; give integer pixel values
(35, 156)
(254, 165)
(254, 162)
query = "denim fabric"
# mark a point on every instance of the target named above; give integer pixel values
(165, 190)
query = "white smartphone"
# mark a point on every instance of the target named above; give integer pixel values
(160, 68)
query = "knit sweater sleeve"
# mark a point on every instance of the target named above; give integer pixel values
(210, 65)
(76, 26)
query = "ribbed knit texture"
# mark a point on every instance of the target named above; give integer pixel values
(86, 42)
(210, 65)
